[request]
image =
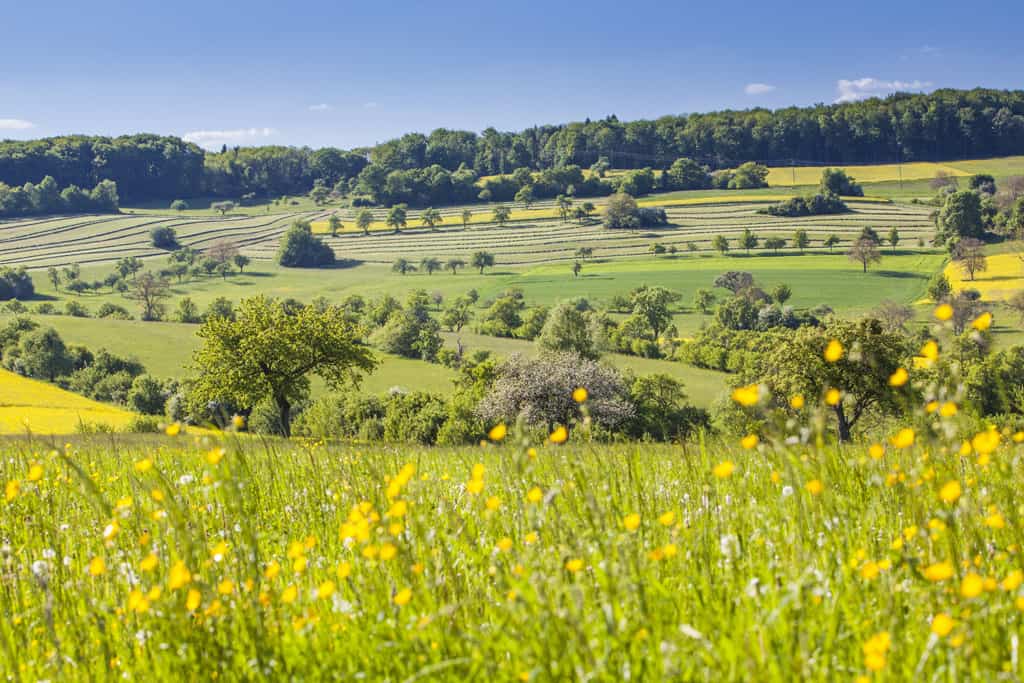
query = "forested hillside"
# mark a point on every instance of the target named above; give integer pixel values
(945, 124)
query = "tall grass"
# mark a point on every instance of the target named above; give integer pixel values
(228, 557)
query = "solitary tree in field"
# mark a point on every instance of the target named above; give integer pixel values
(223, 207)
(864, 251)
(576, 268)
(364, 219)
(748, 240)
(334, 224)
(222, 251)
(720, 244)
(800, 240)
(501, 214)
(431, 217)
(969, 254)
(466, 216)
(430, 264)
(397, 217)
(241, 260)
(585, 252)
(564, 205)
(402, 266)
(775, 243)
(150, 290)
(525, 196)
(481, 260)
(894, 239)
(831, 241)
(453, 264)
(268, 351)
(782, 293)
(588, 208)
(54, 275)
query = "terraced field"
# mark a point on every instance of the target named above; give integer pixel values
(38, 243)
(546, 240)
(532, 236)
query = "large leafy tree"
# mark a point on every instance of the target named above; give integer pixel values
(300, 249)
(961, 216)
(269, 351)
(797, 365)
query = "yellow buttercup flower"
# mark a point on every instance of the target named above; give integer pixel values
(559, 435)
(667, 518)
(814, 487)
(834, 351)
(796, 402)
(832, 397)
(903, 439)
(35, 472)
(899, 378)
(403, 597)
(97, 566)
(173, 429)
(747, 396)
(940, 571)
(574, 565)
(724, 469)
(193, 600)
(149, 563)
(942, 624)
(943, 312)
(180, 576)
(876, 451)
(144, 465)
(631, 521)
(982, 322)
(950, 492)
(11, 490)
(972, 586)
(580, 395)
(497, 432)
(534, 495)
(750, 441)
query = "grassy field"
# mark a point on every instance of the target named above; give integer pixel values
(32, 406)
(174, 558)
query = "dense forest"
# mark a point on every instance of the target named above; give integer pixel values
(945, 124)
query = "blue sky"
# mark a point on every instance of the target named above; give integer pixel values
(348, 74)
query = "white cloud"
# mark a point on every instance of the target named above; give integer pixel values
(320, 107)
(863, 88)
(216, 138)
(758, 88)
(16, 124)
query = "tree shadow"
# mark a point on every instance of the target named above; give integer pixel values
(899, 274)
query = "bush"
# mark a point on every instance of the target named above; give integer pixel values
(76, 309)
(16, 284)
(300, 249)
(109, 310)
(146, 396)
(812, 205)
(414, 417)
(164, 237)
(144, 424)
(337, 416)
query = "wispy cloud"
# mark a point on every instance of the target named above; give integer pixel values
(863, 88)
(370, 105)
(758, 88)
(320, 107)
(216, 138)
(16, 124)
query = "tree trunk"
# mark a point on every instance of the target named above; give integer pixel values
(843, 424)
(284, 408)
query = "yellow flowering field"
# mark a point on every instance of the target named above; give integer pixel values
(874, 173)
(1003, 277)
(777, 558)
(32, 405)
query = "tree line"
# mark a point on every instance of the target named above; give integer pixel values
(945, 124)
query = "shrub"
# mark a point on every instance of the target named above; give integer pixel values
(164, 237)
(109, 310)
(16, 284)
(300, 249)
(414, 417)
(76, 309)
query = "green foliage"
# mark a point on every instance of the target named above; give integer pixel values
(835, 181)
(414, 417)
(16, 283)
(300, 249)
(146, 396)
(269, 352)
(960, 215)
(661, 412)
(569, 330)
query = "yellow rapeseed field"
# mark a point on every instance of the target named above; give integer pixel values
(31, 405)
(1003, 277)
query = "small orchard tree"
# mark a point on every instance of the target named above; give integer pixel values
(467, 215)
(800, 240)
(720, 244)
(402, 266)
(501, 214)
(831, 241)
(481, 260)
(334, 224)
(179, 205)
(564, 206)
(894, 239)
(797, 365)
(453, 264)
(150, 290)
(241, 261)
(430, 264)
(775, 243)
(969, 254)
(269, 351)
(431, 218)
(224, 208)
(576, 268)
(525, 196)
(364, 219)
(782, 293)
(865, 252)
(748, 240)
(397, 217)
